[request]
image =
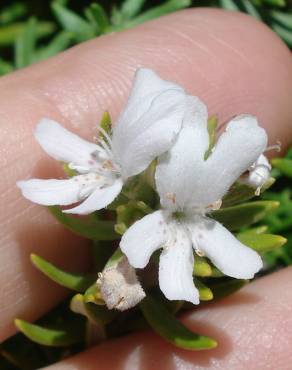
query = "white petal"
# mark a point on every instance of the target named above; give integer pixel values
(178, 171)
(146, 86)
(143, 238)
(236, 150)
(227, 253)
(176, 270)
(100, 198)
(62, 144)
(51, 192)
(149, 123)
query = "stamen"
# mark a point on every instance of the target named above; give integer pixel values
(199, 252)
(276, 147)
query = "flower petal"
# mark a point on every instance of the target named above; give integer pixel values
(100, 198)
(178, 171)
(62, 144)
(176, 270)
(153, 116)
(227, 253)
(51, 192)
(143, 238)
(236, 150)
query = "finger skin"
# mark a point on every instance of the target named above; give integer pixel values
(225, 58)
(253, 328)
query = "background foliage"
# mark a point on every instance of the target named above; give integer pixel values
(33, 30)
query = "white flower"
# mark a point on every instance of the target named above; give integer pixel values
(146, 128)
(189, 188)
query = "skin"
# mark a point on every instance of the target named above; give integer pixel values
(234, 64)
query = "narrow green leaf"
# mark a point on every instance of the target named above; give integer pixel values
(93, 295)
(241, 192)
(128, 213)
(158, 11)
(5, 67)
(244, 214)
(262, 242)
(283, 32)
(226, 288)
(77, 282)
(72, 22)
(202, 267)
(168, 327)
(229, 5)
(9, 34)
(97, 16)
(46, 336)
(251, 9)
(89, 227)
(97, 314)
(255, 230)
(25, 45)
(284, 19)
(212, 125)
(279, 3)
(204, 291)
(105, 124)
(13, 12)
(130, 8)
(283, 164)
(58, 44)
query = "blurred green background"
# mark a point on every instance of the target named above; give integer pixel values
(33, 30)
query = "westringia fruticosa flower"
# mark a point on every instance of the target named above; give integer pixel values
(145, 129)
(190, 187)
(160, 121)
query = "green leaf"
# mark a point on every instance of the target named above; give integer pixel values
(168, 327)
(25, 45)
(158, 11)
(255, 230)
(106, 125)
(13, 12)
(130, 8)
(58, 44)
(284, 33)
(77, 282)
(226, 288)
(212, 125)
(89, 227)
(97, 16)
(229, 5)
(128, 213)
(204, 292)
(284, 19)
(46, 336)
(283, 164)
(97, 314)
(9, 34)
(5, 67)
(279, 3)
(241, 192)
(251, 9)
(72, 22)
(202, 267)
(233, 218)
(262, 242)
